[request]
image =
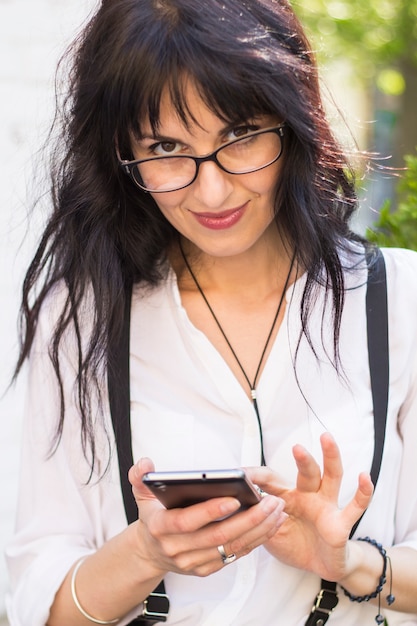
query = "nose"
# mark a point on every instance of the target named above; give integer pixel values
(212, 186)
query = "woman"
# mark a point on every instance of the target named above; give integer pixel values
(199, 173)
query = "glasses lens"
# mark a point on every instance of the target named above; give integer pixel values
(165, 174)
(248, 154)
(251, 153)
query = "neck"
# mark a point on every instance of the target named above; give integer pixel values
(257, 272)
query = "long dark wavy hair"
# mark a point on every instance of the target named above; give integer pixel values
(247, 57)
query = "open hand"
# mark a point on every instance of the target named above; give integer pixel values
(315, 535)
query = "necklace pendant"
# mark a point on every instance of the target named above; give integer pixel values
(253, 394)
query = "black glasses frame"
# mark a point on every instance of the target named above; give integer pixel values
(128, 166)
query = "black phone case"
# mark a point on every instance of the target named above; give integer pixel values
(179, 492)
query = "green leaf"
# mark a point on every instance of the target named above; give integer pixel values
(399, 228)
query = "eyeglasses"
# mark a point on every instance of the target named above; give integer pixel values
(250, 153)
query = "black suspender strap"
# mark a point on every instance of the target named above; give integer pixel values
(119, 400)
(156, 605)
(378, 355)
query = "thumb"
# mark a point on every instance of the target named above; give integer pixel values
(136, 473)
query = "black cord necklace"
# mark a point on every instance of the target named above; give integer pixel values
(252, 385)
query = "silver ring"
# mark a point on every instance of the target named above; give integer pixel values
(226, 558)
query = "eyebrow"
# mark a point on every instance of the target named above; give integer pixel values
(228, 127)
(158, 138)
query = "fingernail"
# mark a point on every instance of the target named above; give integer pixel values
(138, 468)
(229, 506)
(281, 519)
(269, 504)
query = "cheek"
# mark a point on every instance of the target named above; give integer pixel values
(168, 204)
(265, 181)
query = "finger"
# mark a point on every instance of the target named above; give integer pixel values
(191, 518)
(181, 521)
(309, 474)
(242, 532)
(181, 532)
(254, 525)
(360, 500)
(266, 479)
(202, 562)
(197, 562)
(136, 473)
(332, 467)
(258, 533)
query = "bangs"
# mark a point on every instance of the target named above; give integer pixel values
(227, 100)
(235, 64)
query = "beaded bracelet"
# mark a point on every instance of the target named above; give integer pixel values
(382, 580)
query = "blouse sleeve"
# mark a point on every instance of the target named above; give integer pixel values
(60, 512)
(402, 304)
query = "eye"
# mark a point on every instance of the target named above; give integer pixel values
(165, 148)
(241, 131)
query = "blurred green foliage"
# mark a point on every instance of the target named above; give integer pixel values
(372, 33)
(399, 228)
(378, 38)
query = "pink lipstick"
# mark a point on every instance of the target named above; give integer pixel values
(221, 220)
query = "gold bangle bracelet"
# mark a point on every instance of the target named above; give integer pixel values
(77, 602)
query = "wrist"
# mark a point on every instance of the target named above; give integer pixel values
(368, 569)
(139, 545)
(360, 562)
(363, 573)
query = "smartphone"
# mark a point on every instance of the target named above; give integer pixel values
(181, 489)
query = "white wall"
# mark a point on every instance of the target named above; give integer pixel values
(33, 34)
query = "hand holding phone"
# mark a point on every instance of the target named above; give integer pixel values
(182, 489)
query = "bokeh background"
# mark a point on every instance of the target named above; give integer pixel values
(368, 55)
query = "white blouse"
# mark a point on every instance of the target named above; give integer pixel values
(189, 412)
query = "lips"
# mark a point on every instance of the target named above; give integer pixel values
(221, 220)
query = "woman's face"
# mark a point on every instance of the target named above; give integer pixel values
(221, 214)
